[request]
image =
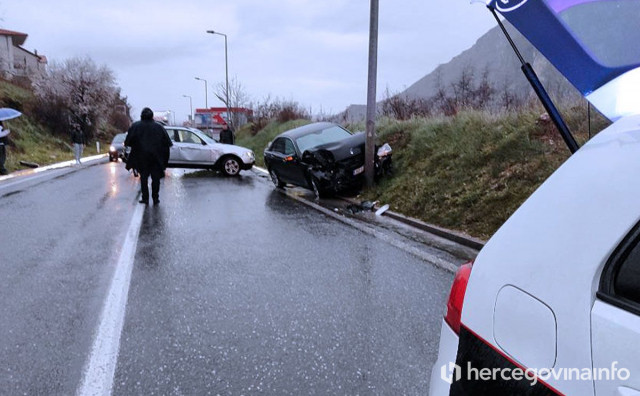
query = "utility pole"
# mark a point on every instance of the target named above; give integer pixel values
(370, 140)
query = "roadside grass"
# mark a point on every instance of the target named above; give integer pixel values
(30, 141)
(470, 172)
(259, 141)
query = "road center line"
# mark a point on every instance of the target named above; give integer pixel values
(97, 378)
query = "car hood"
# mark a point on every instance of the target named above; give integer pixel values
(345, 148)
(230, 148)
(595, 44)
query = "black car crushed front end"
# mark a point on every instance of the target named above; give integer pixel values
(339, 166)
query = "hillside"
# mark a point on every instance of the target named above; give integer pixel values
(34, 142)
(491, 55)
(29, 141)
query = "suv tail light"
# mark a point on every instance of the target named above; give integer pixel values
(456, 296)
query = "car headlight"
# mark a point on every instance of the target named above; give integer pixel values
(249, 156)
(384, 150)
(111, 148)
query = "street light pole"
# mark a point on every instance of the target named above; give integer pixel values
(206, 101)
(191, 121)
(226, 71)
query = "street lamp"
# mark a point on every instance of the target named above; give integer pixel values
(226, 68)
(206, 101)
(191, 121)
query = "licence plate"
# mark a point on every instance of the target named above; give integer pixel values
(358, 170)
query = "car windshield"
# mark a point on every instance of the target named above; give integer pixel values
(324, 136)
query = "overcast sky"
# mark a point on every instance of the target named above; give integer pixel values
(312, 52)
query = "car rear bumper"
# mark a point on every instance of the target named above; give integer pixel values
(247, 166)
(443, 367)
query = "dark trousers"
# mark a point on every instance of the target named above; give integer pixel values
(3, 158)
(156, 175)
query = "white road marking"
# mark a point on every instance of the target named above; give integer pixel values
(101, 365)
(259, 169)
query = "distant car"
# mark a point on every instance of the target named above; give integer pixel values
(551, 305)
(323, 157)
(117, 148)
(192, 148)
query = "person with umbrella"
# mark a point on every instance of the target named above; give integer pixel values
(5, 114)
(4, 141)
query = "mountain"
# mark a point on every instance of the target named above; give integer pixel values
(491, 54)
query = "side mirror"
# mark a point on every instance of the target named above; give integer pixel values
(290, 158)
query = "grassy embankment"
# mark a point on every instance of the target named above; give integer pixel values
(468, 172)
(30, 141)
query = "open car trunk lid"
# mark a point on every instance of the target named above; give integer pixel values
(595, 45)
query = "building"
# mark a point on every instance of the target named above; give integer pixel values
(16, 61)
(165, 116)
(216, 117)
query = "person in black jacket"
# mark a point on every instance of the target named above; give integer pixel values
(226, 135)
(77, 138)
(4, 141)
(149, 144)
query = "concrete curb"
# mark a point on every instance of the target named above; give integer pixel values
(454, 236)
(462, 239)
(26, 172)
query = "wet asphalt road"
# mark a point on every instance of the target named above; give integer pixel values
(236, 289)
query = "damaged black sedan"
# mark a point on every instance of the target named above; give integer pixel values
(323, 157)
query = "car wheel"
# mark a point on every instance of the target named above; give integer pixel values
(231, 166)
(275, 179)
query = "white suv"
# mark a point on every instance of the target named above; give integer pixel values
(551, 305)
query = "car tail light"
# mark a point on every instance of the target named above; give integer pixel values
(456, 296)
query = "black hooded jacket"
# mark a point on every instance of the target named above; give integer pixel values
(227, 136)
(149, 144)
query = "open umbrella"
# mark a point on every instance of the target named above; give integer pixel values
(7, 113)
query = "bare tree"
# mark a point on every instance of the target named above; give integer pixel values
(77, 93)
(238, 97)
(483, 94)
(120, 113)
(509, 100)
(402, 107)
(463, 88)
